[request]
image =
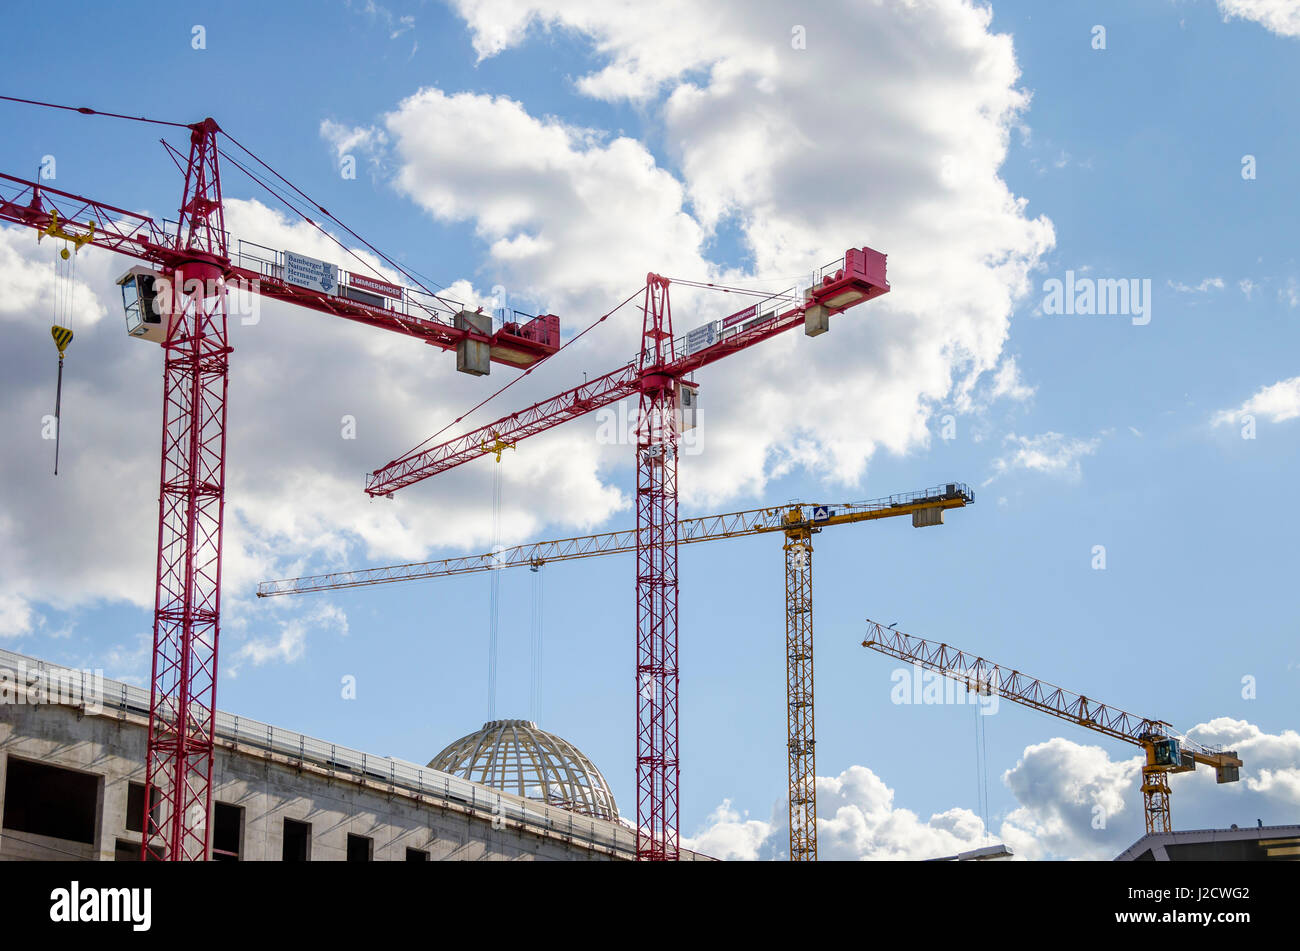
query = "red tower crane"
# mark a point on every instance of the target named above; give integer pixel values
(657, 378)
(180, 301)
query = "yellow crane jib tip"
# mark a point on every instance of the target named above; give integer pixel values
(62, 337)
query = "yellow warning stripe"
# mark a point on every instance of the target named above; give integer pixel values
(62, 337)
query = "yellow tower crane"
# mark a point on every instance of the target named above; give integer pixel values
(797, 521)
(1166, 752)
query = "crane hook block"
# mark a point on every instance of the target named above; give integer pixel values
(62, 337)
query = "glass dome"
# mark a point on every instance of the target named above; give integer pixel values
(516, 757)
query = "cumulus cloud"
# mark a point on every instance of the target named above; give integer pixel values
(291, 642)
(731, 835)
(574, 218)
(1272, 759)
(1008, 384)
(861, 821)
(1276, 403)
(294, 483)
(353, 141)
(1073, 801)
(1290, 294)
(570, 219)
(15, 615)
(1210, 282)
(857, 819)
(1280, 16)
(888, 129)
(1050, 453)
(395, 24)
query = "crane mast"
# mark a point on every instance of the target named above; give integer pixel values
(1165, 751)
(658, 769)
(797, 522)
(191, 501)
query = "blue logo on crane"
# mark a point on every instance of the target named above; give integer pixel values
(822, 513)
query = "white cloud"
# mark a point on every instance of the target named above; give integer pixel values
(1073, 801)
(15, 615)
(568, 216)
(729, 835)
(290, 644)
(1276, 403)
(1272, 760)
(575, 218)
(753, 132)
(1290, 294)
(1201, 288)
(1008, 384)
(1279, 16)
(1050, 453)
(1248, 287)
(857, 819)
(368, 140)
(294, 485)
(861, 821)
(395, 25)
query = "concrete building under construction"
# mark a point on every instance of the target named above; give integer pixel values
(72, 764)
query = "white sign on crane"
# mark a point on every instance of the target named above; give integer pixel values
(309, 272)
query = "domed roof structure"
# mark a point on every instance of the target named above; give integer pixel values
(516, 757)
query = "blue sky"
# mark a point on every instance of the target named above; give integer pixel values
(1076, 431)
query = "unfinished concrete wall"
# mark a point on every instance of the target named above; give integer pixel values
(269, 787)
(268, 792)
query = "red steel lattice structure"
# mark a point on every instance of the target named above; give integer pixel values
(657, 767)
(194, 262)
(187, 608)
(654, 377)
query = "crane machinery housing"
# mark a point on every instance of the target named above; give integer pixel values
(1166, 752)
(796, 521)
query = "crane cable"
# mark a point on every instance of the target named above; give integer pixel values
(981, 766)
(494, 592)
(483, 402)
(93, 112)
(535, 698)
(324, 211)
